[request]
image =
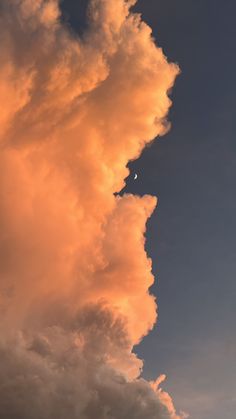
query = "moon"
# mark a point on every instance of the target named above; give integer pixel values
(135, 176)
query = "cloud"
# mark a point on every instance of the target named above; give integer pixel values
(74, 296)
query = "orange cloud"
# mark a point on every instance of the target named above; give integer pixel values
(74, 274)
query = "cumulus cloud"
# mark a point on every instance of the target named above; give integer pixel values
(74, 296)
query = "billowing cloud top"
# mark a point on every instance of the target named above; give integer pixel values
(74, 275)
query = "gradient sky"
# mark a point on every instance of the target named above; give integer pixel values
(191, 237)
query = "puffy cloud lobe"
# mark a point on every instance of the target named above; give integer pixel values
(74, 273)
(64, 373)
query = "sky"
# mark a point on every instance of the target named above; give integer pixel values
(77, 110)
(191, 236)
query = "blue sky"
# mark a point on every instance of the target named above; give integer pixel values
(192, 235)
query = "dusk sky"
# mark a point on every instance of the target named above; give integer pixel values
(84, 95)
(192, 234)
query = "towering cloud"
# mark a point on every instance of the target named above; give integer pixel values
(74, 275)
